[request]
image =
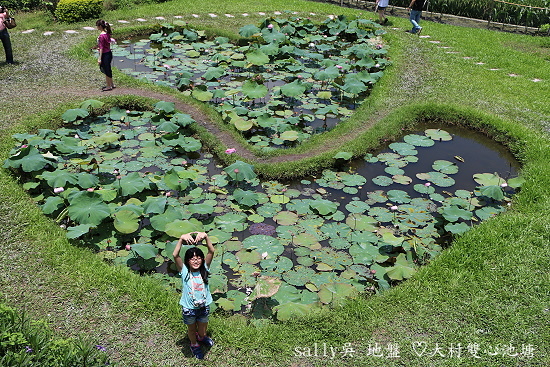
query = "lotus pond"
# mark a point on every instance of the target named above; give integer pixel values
(285, 80)
(129, 183)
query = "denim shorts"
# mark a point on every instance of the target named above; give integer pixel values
(192, 315)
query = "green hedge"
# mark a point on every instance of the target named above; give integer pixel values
(70, 11)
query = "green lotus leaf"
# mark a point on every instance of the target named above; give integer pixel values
(249, 30)
(214, 73)
(154, 205)
(246, 197)
(166, 126)
(52, 204)
(248, 256)
(294, 89)
(257, 57)
(126, 221)
(445, 167)
(262, 243)
(307, 240)
(359, 222)
(132, 184)
(335, 293)
(398, 196)
(377, 196)
(240, 171)
(74, 114)
(203, 209)
(217, 283)
(91, 104)
(335, 230)
(279, 199)
(488, 179)
(78, 231)
(438, 135)
(192, 53)
(179, 227)
(186, 143)
(290, 135)
(437, 178)
(418, 140)
(88, 208)
(28, 159)
(516, 182)
(354, 180)
(493, 192)
(231, 222)
(286, 218)
(87, 180)
(326, 94)
(403, 148)
(334, 259)
(253, 90)
(488, 211)
(357, 206)
(403, 180)
(299, 276)
(166, 107)
(394, 170)
(202, 94)
(423, 189)
(354, 86)
(401, 270)
(457, 228)
(174, 181)
(454, 213)
(323, 207)
(280, 265)
(382, 180)
(390, 239)
(59, 178)
(265, 287)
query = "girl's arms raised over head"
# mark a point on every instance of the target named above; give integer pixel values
(188, 238)
(210, 255)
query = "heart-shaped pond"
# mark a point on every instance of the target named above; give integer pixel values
(286, 80)
(128, 183)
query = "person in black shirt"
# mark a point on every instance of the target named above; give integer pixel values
(415, 9)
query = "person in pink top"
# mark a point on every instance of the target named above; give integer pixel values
(105, 55)
(5, 36)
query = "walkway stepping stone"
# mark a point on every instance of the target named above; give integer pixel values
(229, 16)
(212, 15)
(195, 15)
(178, 16)
(536, 80)
(71, 31)
(160, 18)
(48, 33)
(480, 63)
(245, 14)
(141, 20)
(123, 21)
(28, 31)
(89, 28)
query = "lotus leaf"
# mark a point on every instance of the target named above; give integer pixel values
(52, 204)
(334, 259)
(382, 180)
(282, 264)
(488, 179)
(78, 231)
(357, 206)
(286, 218)
(398, 196)
(88, 208)
(299, 276)
(279, 199)
(240, 171)
(290, 135)
(335, 293)
(457, 228)
(126, 221)
(74, 114)
(202, 94)
(294, 89)
(257, 57)
(265, 287)
(516, 182)
(401, 270)
(59, 178)
(263, 243)
(179, 227)
(423, 189)
(438, 135)
(403, 180)
(28, 159)
(307, 240)
(359, 222)
(488, 211)
(233, 301)
(454, 213)
(323, 207)
(418, 140)
(445, 167)
(249, 30)
(248, 256)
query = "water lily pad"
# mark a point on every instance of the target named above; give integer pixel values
(382, 180)
(262, 243)
(286, 218)
(418, 140)
(438, 135)
(445, 167)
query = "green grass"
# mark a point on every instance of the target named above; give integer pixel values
(491, 287)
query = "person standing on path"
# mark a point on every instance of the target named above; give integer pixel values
(195, 294)
(5, 36)
(105, 55)
(381, 5)
(415, 9)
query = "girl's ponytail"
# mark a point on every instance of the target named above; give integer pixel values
(103, 24)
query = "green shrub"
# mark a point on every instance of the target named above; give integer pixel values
(70, 11)
(21, 4)
(29, 343)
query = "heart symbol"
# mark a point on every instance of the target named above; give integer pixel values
(419, 348)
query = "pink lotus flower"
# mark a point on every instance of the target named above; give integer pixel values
(166, 66)
(339, 66)
(24, 146)
(230, 150)
(270, 26)
(373, 271)
(504, 185)
(91, 189)
(57, 190)
(128, 247)
(168, 194)
(394, 207)
(236, 170)
(427, 184)
(183, 163)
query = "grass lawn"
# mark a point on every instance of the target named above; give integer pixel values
(484, 302)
